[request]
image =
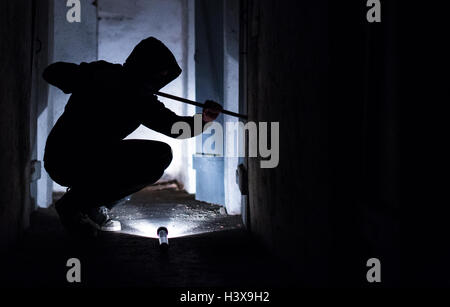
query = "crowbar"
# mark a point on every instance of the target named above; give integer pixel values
(198, 104)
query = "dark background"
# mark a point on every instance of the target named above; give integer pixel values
(362, 133)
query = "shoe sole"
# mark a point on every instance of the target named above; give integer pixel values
(102, 228)
(110, 229)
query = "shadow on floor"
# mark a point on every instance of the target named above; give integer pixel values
(226, 257)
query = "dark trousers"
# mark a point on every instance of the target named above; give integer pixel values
(101, 175)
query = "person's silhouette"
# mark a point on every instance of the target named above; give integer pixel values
(86, 150)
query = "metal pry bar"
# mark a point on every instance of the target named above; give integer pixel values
(198, 104)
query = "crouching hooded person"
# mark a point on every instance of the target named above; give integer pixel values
(86, 150)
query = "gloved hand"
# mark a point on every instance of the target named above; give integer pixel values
(211, 110)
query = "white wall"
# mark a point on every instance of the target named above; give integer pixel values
(72, 42)
(122, 25)
(231, 102)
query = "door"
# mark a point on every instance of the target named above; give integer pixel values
(209, 165)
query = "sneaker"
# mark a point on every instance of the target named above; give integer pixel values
(73, 220)
(100, 219)
(119, 202)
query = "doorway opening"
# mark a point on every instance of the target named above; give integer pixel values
(199, 190)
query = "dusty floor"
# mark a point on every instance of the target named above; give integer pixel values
(207, 249)
(176, 210)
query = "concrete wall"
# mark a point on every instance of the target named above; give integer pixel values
(231, 103)
(74, 42)
(122, 25)
(15, 93)
(328, 77)
(41, 111)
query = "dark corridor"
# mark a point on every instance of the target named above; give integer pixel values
(217, 252)
(342, 182)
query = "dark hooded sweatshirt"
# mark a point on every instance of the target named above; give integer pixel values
(108, 101)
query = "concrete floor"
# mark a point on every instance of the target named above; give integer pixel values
(207, 249)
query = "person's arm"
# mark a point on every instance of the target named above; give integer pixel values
(161, 119)
(63, 75)
(70, 77)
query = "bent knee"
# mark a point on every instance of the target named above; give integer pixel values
(166, 155)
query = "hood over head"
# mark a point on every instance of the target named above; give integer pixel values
(152, 63)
